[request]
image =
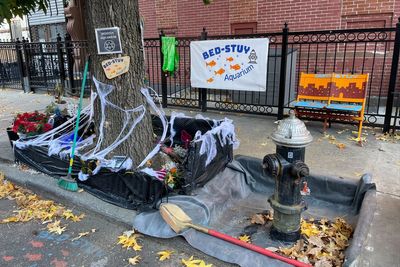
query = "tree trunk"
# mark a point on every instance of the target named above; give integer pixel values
(125, 15)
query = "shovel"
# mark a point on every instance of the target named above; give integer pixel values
(179, 221)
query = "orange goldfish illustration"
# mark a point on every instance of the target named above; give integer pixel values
(235, 67)
(230, 59)
(211, 63)
(210, 80)
(220, 71)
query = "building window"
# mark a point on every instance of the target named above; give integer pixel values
(244, 28)
(55, 29)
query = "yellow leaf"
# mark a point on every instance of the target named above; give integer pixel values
(165, 255)
(10, 219)
(68, 214)
(129, 241)
(191, 262)
(55, 228)
(245, 238)
(77, 218)
(135, 260)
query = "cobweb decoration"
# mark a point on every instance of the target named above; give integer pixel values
(223, 130)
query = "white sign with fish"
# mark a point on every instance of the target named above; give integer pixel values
(235, 64)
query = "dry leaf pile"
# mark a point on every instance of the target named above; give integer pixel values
(386, 137)
(31, 206)
(322, 243)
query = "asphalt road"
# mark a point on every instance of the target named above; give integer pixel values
(30, 244)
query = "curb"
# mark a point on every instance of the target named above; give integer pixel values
(46, 187)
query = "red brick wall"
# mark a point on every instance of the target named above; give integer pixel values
(188, 17)
(300, 15)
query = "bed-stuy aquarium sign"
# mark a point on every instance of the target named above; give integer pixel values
(234, 64)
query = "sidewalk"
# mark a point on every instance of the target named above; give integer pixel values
(380, 158)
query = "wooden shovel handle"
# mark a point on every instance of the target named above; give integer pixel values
(258, 249)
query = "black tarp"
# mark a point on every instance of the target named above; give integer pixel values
(136, 190)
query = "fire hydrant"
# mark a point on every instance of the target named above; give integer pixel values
(289, 170)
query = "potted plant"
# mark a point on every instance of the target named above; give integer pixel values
(31, 123)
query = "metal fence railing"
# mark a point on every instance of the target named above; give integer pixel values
(375, 51)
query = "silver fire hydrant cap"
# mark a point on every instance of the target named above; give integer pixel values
(292, 132)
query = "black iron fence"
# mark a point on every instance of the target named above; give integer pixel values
(374, 51)
(42, 66)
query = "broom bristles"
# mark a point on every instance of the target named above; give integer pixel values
(68, 183)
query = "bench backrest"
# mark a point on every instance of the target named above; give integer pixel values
(314, 86)
(348, 88)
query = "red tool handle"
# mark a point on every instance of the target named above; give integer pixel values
(258, 249)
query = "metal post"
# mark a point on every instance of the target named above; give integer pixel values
(70, 63)
(282, 79)
(18, 49)
(203, 91)
(27, 74)
(392, 79)
(164, 89)
(60, 56)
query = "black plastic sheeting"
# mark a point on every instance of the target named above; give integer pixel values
(228, 201)
(136, 190)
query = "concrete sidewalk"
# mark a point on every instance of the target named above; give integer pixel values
(380, 158)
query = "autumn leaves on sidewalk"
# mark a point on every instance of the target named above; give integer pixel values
(55, 218)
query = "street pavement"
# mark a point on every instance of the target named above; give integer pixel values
(324, 156)
(30, 244)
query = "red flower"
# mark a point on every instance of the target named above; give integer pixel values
(32, 123)
(47, 127)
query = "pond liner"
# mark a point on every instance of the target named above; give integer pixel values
(133, 189)
(241, 190)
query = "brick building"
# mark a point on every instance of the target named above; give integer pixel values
(188, 17)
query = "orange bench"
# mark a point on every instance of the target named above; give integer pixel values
(338, 97)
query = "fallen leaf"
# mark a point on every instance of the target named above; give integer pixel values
(341, 146)
(56, 228)
(191, 262)
(80, 235)
(134, 260)
(245, 238)
(129, 241)
(76, 218)
(260, 218)
(165, 255)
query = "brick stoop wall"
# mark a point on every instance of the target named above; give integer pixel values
(188, 17)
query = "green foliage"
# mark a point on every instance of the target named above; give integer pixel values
(11, 8)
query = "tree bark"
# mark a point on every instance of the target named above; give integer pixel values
(125, 15)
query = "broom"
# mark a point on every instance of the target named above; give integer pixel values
(179, 221)
(68, 183)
